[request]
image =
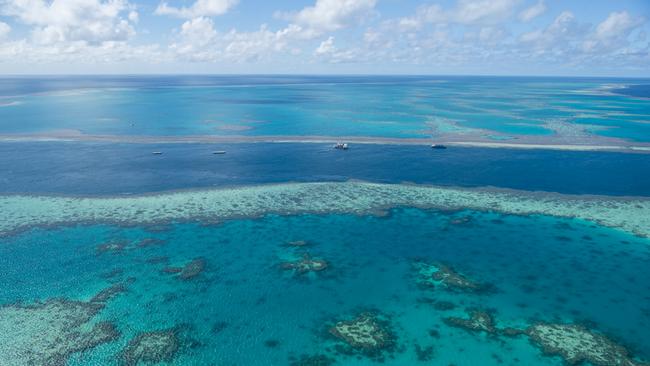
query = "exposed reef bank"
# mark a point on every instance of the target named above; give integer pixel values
(22, 212)
(581, 142)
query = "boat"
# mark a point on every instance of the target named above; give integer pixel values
(341, 146)
(219, 152)
(157, 152)
(438, 147)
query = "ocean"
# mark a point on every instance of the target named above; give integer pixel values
(285, 251)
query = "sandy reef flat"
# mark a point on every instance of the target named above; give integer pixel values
(582, 143)
(20, 212)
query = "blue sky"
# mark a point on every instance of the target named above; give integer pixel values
(487, 37)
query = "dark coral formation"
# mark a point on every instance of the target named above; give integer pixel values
(119, 246)
(305, 265)
(189, 271)
(478, 321)
(369, 333)
(462, 220)
(48, 333)
(151, 347)
(297, 243)
(424, 354)
(577, 344)
(109, 292)
(511, 332)
(114, 247)
(148, 242)
(430, 275)
(313, 360)
(440, 305)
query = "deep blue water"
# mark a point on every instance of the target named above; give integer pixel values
(642, 90)
(102, 168)
(243, 309)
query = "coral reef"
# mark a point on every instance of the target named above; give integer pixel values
(429, 275)
(22, 212)
(306, 264)
(109, 292)
(297, 243)
(113, 246)
(313, 360)
(479, 321)
(424, 353)
(148, 242)
(48, 333)
(188, 271)
(151, 347)
(369, 333)
(577, 344)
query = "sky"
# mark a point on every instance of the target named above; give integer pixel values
(438, 37)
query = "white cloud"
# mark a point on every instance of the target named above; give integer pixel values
(79, 53)
(612, 33)
(331, 15)
(326, 47)
(90, 21)
(533, 12)
(466, 12)
(4, 30)
(617, 25)
(328, 52)
(484, 11)
(563, 30)
(199, 41)
(201, 8)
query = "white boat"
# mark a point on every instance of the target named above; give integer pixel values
(341, 146)
(157, 152)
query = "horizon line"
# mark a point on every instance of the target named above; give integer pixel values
(5, 75)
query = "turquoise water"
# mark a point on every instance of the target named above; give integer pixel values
(243, 309)
(234, 292)
(392, 107)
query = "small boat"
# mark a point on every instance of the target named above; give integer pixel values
(219, 152)
(438, 147)
(157, 152)
(341, 146)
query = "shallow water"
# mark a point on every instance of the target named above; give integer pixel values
(492, 108)
(543, 268)
(209, 265)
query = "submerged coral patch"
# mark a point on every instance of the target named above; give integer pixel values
(305, 264)
(478, 321)
(48, 333)
(430, 275)
(369, 333)
(151, 347)
(189, 270)
(313, 360)
(576, 344)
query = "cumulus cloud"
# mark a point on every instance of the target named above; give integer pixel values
(90, 21)
(199, 41)
(617, 25)
(4, 30)
(201, 8)
(484, 11)
(465, 12)
(326, 47)
(331, 15)
(533, 12)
